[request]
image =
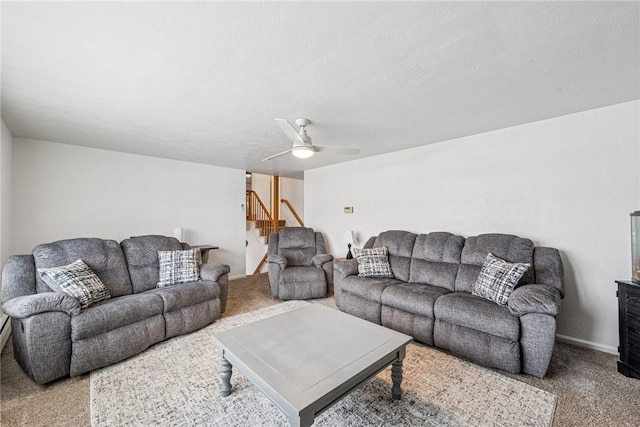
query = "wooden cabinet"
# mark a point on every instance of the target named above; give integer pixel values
(629, 322)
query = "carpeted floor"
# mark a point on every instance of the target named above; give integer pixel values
(589, 389)
(438, 390)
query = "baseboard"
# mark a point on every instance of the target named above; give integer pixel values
(238, 277)
(587, 344)
(6, 330)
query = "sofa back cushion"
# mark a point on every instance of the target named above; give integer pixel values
(505, 246)
(297, 245)
(141, 253)
(436, 258)
(399, 247)
(104, 258)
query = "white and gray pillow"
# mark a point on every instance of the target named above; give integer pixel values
(373, 262)
(77, 280)
(498, 278)
(178, 267)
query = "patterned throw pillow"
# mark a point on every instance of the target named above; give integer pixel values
(76, 280)
(178, 267)
(498, 278)
(373, 262)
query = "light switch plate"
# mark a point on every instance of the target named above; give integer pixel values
(348, 209)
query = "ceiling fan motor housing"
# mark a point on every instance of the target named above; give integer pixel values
(302, 122)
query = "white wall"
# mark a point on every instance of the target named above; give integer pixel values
(569, 182)
(6, 144)
(293, 191)
(67, 191)
(261, 184)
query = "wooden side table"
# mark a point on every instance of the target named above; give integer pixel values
(204, 251)
(629, 325)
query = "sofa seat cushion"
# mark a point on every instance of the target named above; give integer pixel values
(473, 312)
(302, 274)
(367, 288)
(186, 294)
(114, 313)
(413, 298)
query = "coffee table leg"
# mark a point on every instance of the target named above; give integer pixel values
(304, 419)
(225, 375)
(396, 379)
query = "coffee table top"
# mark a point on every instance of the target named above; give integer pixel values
(308, 352)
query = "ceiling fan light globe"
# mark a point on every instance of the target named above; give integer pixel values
(302, 152)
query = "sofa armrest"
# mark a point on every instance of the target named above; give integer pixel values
(29, 305)
(18, 277)
(548, 268)
(213, 271)
(320, 259)
(277, 259)
(218, 273)
(347, 267)
(541, 299)
(342, 269)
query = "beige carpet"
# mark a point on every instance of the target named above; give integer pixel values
(590, 391)
(177, 382)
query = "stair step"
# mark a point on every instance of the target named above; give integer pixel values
(263, 223)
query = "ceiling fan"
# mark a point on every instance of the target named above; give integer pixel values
(302, 146)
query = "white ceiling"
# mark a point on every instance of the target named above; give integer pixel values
(202, 82)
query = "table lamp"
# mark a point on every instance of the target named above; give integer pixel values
(349, 238)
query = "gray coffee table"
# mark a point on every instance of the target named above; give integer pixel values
(307, 359)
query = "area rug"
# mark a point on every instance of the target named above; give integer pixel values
(176, 383)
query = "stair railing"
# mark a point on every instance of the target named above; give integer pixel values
(258, 212)
(260, 264)
(293, 211)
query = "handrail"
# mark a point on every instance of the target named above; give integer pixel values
(260, 264)
(258, 212)
(293, 211)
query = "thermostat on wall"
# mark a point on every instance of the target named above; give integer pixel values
(348, 209)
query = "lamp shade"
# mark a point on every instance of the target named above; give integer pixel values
(349, 237)
(302, 152)
(178, 233)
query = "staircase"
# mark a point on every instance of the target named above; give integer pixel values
(260, 225)
(263, 228)
(257, 243)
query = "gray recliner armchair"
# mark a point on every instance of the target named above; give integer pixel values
(299, 267)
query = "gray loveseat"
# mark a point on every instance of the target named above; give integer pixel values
(431, 297)
(53, 337)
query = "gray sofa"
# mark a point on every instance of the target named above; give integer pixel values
(53, 337)
(431, 297)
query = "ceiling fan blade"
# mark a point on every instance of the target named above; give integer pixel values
(277, 155)
(290, 130)
(338, 150)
